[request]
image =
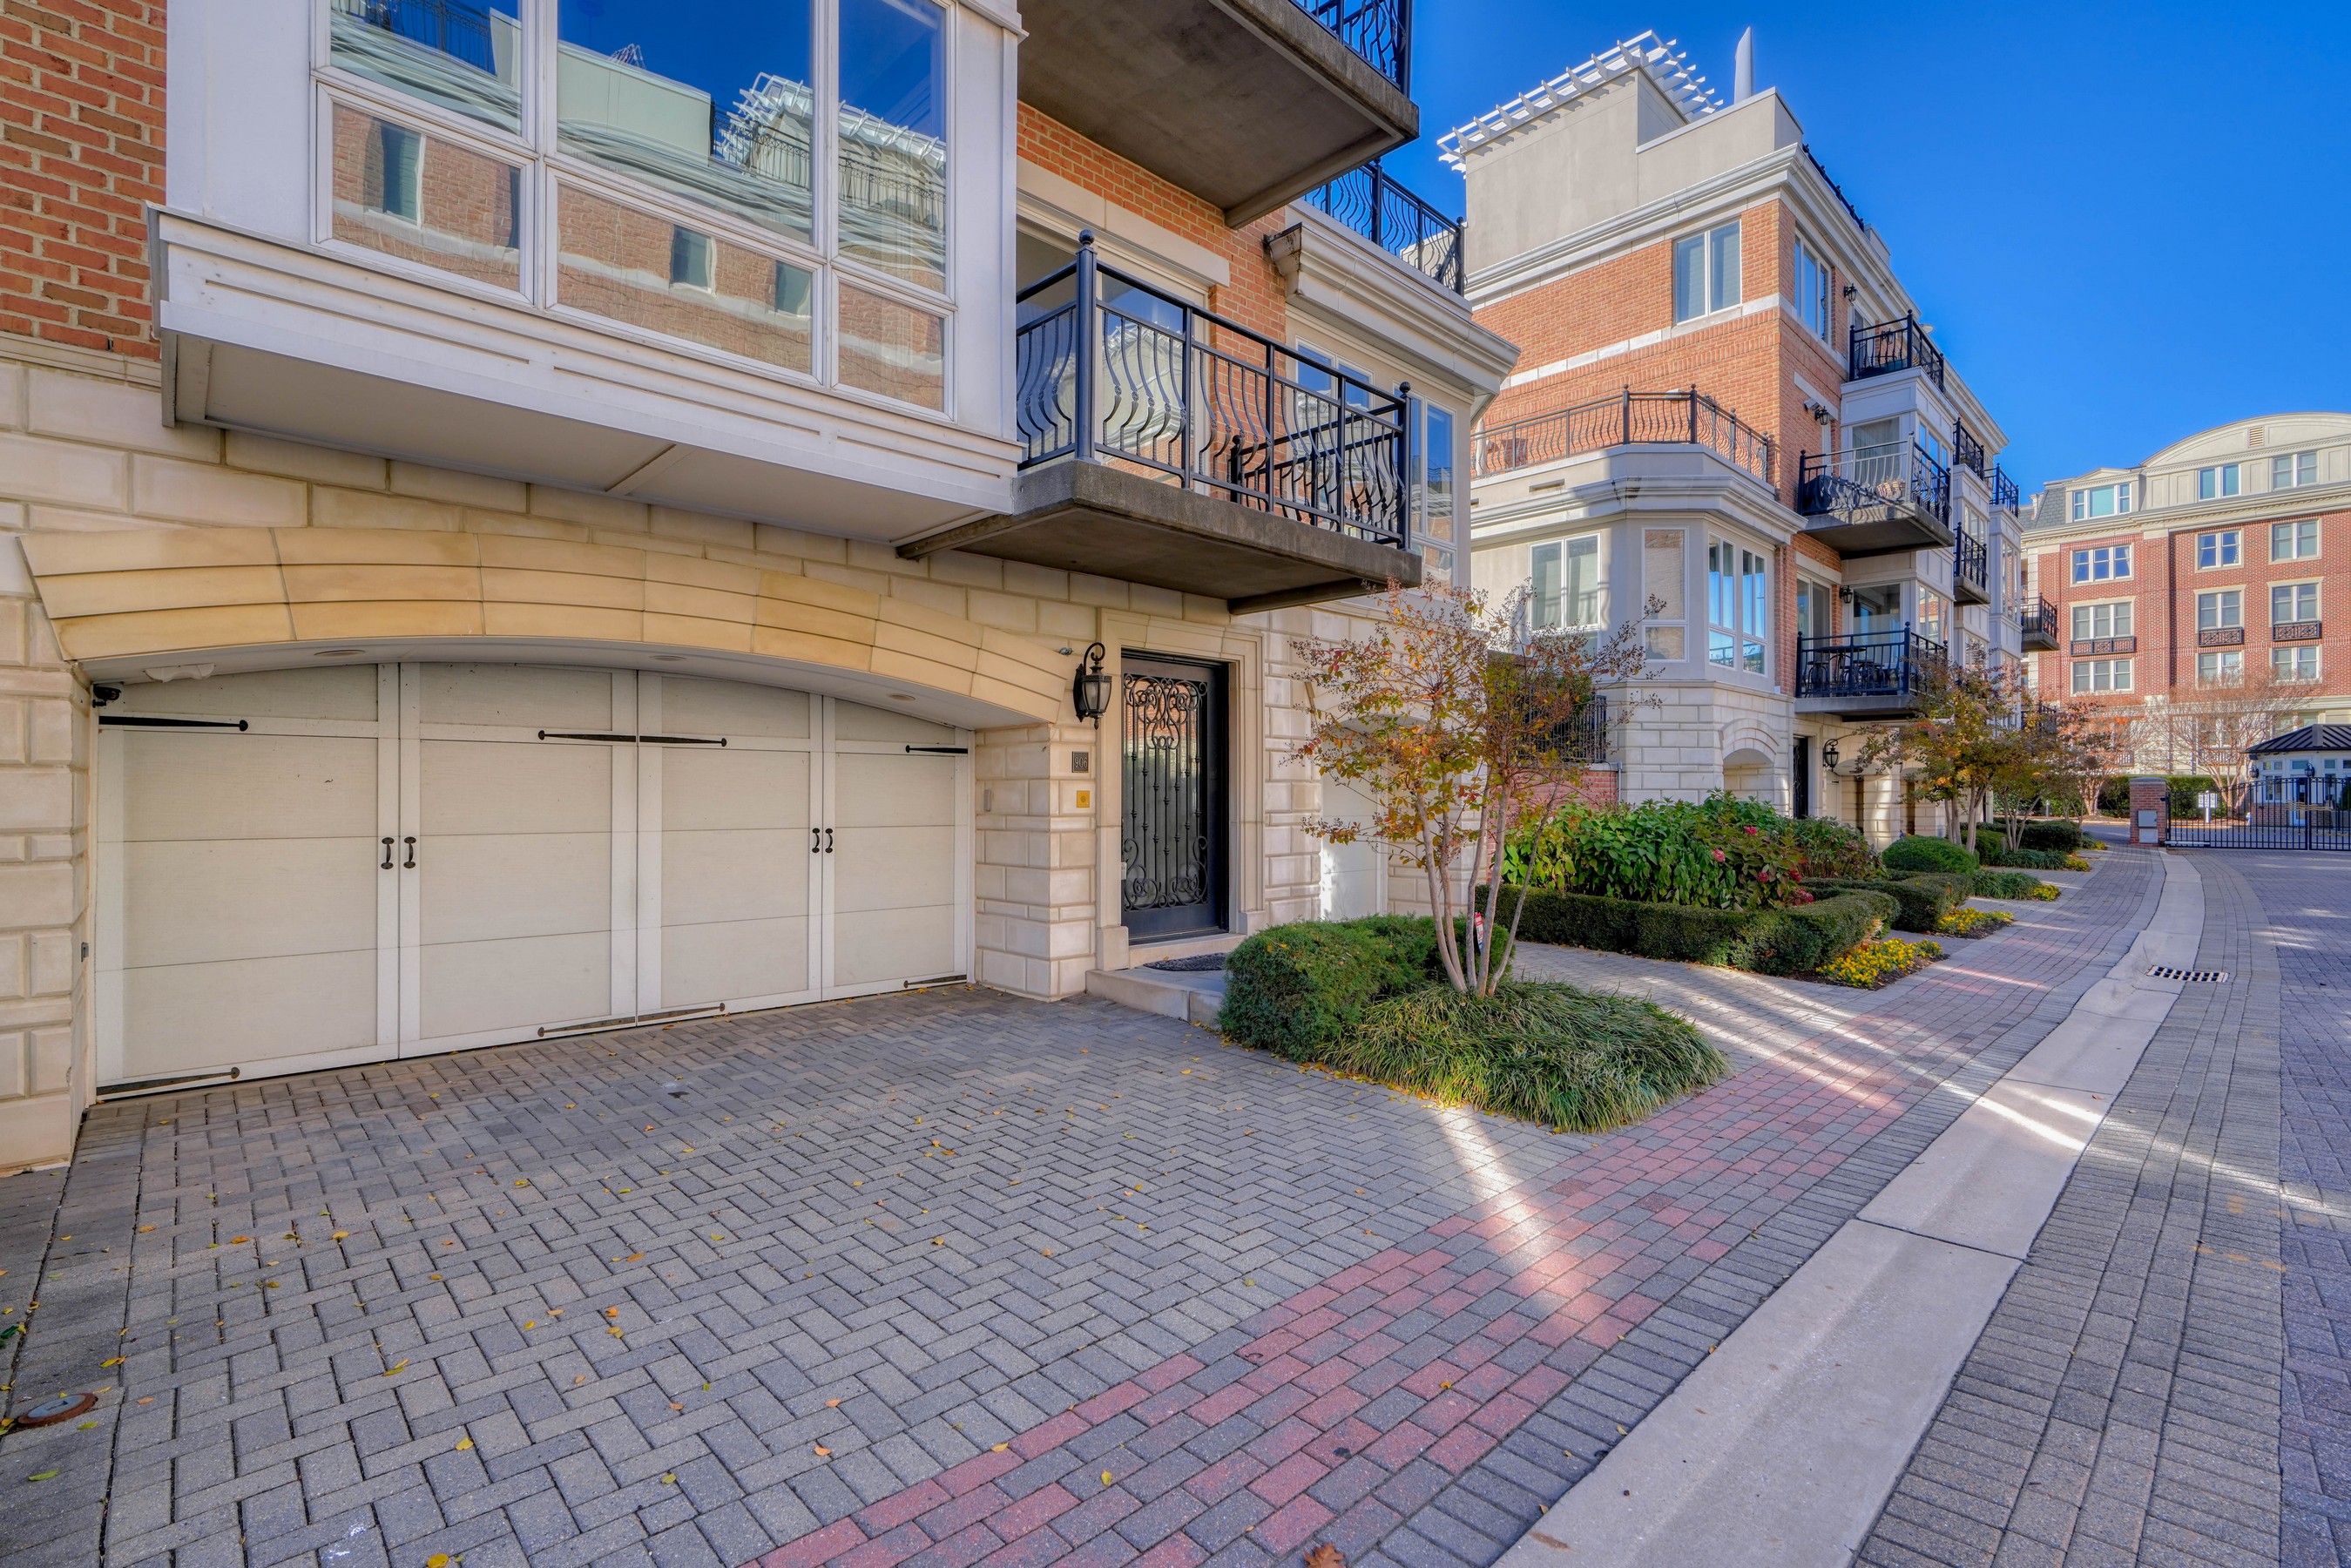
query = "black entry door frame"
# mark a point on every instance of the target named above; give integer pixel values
(1175, 797)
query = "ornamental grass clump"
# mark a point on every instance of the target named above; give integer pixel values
(1541, 1051)
(2012, 884)
(1875, 964)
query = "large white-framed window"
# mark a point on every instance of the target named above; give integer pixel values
(1934, 616)
(2293, 470)
(2095, 676)
(1738, 606)
(2101, 563)
(768, 185)
(2109, 619)
(1440, 492)
(1813, 278)
(2295, 661)
(2296, 541)
(1567, 589)
(2222, 480)
(2220, 608)
(2225, 667)
(1705, 272)
(2102, 501)
(2293, 602)
(2223, 548)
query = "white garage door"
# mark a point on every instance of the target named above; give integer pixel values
(305, 868)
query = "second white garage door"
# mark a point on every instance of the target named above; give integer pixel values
(300, 869)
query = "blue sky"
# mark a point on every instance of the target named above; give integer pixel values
(2126, 223)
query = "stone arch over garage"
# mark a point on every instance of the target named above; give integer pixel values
(1752, 765)
(123, 600)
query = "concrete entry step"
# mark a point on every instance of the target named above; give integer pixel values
(1195, 996)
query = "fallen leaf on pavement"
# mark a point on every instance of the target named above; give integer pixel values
(1326, 1556)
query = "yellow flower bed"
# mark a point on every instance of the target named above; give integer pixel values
(1973, 922)
(1874, 964)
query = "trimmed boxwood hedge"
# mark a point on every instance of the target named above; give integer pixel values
(1296, 990)
(1925, 896)
(2050, 835)
(2032, 859)
(1789, 941)
(1915, 852)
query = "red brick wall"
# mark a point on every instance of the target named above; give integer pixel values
(2164, 586)
(81, 152)
(1254, 297)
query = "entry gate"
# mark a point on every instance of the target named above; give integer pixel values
(2292, 827)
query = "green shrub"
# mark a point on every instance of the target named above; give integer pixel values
(1925, 897)
(1918, 853)
(1544, 1052)
(1294, 989)
(2050, 836)
(2032, 859)
(2012, 884)
(1791, 940)
(1716, 854)
(2185, 786)
(1827, 848)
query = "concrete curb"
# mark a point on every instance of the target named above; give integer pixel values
(1783, 1446)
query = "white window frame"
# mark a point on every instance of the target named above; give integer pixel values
(2120, 614)
(1561, 554)
(2287, 661)
(2297, 588)
(2219, 666)
(2219, 481)
(2118, 496)
(1813, 279)
(2293, 470)
(2115, 561)
(1739, 622)
(2088, 672)
(2222, 547)
(1717, 292)
(2291, 533)
(2220, 608)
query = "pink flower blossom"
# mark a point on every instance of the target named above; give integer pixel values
(1719, 855)
(1754, 830)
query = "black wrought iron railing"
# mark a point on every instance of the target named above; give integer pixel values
(1378, 31)
(1970, 562)
(1585, 738)
(1897, 663)
(1892, 346)
(1110, 369)
(1378, 206)
(1858, 485)
(2038, 619)
(2003, 490)
(1967, 451)
(1835, 190)
(1629, 419)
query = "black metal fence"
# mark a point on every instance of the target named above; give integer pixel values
(1378, 31)
(1970, 561)
(1629, 419)
(2314, 828)
(1860, 484)
(2003, 490)
(1899, 663)
(1110, 369)
(1385, 212)
(1892, 346)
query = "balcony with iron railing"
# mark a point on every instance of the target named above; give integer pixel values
(1380, 208)
(2003, 490)
(1246, 104)
(1891, 346)
(1163, 445)
(1875, 500)
(2038, 626)
(1971, 570)
(1866, 674)
(1967, 451)
(1628, 419)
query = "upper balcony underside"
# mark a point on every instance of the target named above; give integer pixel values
(1245, 103)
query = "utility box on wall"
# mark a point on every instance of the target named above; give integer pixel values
(2150, 810)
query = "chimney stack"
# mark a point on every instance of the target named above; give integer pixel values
(1742, 76)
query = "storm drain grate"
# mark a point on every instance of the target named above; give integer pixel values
(2193, 977)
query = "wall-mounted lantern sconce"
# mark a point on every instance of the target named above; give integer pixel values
(1829, 756)
(1090, 689)
(1845, 593)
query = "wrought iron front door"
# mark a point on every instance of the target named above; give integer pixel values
(1173, 838)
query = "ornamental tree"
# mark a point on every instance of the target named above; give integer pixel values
(1454, 719)
(1978, 733)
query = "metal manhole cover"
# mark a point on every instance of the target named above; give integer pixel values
(2193, 977)
(61, 1407)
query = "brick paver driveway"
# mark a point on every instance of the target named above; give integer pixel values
(947, 1276)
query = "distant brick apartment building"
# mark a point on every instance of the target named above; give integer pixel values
(2203, 596)
(1727, 408)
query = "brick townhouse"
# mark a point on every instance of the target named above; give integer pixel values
(600, 512)
(2200, 595)
(1726, 403)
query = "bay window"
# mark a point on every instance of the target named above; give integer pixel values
(770, 184)
(1738, 606)
(1567, 582)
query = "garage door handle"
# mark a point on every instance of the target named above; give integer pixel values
(410, 865)
(387, 856)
